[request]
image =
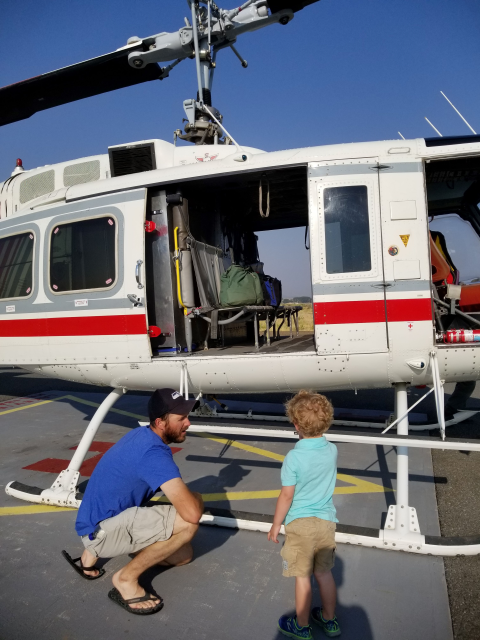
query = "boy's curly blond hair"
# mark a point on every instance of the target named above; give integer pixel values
(310, 412)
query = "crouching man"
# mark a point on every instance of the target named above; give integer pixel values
(112, 521)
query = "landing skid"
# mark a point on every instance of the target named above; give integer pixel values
(207, 411)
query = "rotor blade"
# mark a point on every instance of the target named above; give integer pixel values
(294, 5)
(83, 80)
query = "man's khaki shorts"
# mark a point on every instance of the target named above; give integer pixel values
(131, 531)
(309, 547)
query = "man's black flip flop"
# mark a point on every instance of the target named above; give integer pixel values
(81, 569)
(116, 596)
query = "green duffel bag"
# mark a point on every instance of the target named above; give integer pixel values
(240, 286)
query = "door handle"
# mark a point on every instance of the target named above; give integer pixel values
(137, 274)
(136, 301)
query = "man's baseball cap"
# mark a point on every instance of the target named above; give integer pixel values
(169, 401)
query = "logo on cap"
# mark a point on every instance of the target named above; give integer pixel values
(175, 395)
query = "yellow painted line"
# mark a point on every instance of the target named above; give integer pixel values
(360, 486)
(34, 508)
(357, 485)
(74, 399)
(231, 495)
(30, 406)
(96, 405)
(245, 447)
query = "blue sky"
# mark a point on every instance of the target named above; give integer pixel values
(341, 71)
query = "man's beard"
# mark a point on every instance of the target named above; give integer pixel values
(170, 435)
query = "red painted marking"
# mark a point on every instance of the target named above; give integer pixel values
(409, 310)
(55, 465)
(49, 465)
(89, 465)
(101, 447)
(349, 312)
(19, 402)
(74, 326)
(367, 311)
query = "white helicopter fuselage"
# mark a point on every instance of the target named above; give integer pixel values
(374, 326)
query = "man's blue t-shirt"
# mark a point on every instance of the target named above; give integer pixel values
(127, 476)
(312, 467)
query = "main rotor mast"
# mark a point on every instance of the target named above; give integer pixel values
(207, 30)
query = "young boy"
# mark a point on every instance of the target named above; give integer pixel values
(305, 503)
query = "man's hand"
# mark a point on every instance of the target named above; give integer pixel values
(273, 533)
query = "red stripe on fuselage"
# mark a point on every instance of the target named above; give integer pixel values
(367, 311)
(74, 326)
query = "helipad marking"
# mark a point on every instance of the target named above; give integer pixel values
(357, 485)
(34, 508)
(245, 447)
(30, 406)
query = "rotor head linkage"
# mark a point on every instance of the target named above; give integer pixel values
(200, 128)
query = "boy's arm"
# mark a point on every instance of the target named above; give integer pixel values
(283, 505)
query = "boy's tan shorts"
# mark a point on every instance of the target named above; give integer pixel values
(309, 547)
(131, 530)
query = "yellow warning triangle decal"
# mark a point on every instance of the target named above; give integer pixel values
(405, 239)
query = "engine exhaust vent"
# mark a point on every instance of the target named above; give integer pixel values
(132, 158)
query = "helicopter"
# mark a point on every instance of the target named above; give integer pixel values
(113, 268)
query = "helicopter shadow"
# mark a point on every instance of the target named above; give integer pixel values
(208, 538)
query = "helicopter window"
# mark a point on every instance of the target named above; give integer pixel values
(347, 229)
(83, 255)
(16, 260)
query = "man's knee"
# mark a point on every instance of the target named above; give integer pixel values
(191, 530)
(187, 554)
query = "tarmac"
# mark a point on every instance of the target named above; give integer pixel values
(234, 588)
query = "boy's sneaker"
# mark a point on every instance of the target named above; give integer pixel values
(331, 628)
(289, 627)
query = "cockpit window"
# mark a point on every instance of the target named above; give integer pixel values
(16, 265)
(83, 255)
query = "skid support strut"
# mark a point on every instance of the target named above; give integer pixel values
(63, 491)
(402, 530)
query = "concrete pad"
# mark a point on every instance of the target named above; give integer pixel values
(234, 588)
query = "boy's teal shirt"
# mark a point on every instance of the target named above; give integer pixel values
(312, 467)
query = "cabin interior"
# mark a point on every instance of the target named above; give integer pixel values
(453, 195)
(218, 221)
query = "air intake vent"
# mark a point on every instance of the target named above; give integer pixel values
(37, 185)
(81, 173)
(132, 159)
